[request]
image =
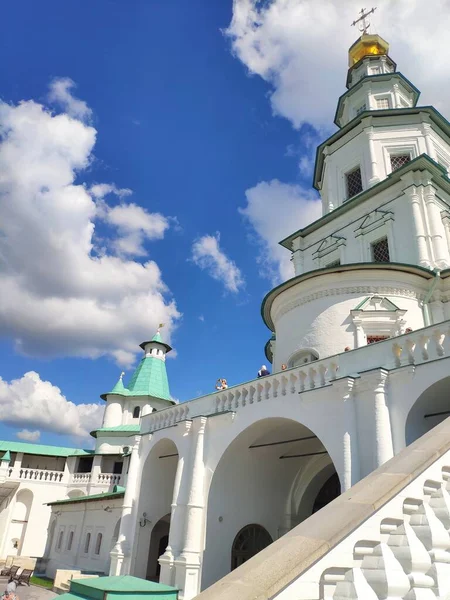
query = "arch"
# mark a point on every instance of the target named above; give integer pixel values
(330, 490)
(253, 483)
(19, 521)
(75, 494)
(136, 412)
(302, 357)
(158, 543)
(250, 540)
(429, 409)
(156, 492)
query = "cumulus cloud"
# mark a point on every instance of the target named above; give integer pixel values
(61, 294)
(60, 93)
(207, 254)
(31, 402)
(29, 436)
(274, 210)
(300, 48)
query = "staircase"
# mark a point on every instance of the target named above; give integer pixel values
(386, 537)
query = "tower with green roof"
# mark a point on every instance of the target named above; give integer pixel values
(147, 391)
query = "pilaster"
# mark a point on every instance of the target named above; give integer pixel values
(423, 258)
(437, 232)
(374, 176)
(188, 563)
(121, 553)
(345, 390)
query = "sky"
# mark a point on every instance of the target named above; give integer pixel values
(152, 156)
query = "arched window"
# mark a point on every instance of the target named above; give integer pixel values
(248, 542)
(303, 357)
(87, 543)
(98, 543)
(60, 540)
(70, 541)
(136, 412)
(330, 490)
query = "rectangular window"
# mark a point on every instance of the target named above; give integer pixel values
(383, 103)
(361, 109)
(87, 543)
(60, 540)
(380, 251)
(371, 339)
(398, 160)
(354, 182)
(375, 70)
(70, 541)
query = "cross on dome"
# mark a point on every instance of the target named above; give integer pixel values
(363, 21)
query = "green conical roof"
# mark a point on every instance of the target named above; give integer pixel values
(119, 388)
(150, 379)
(7, 456)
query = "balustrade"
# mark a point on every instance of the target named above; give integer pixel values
(81, 478)
(36, 474)
(109, 478)
(429, 343)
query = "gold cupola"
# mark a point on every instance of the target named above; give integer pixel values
(367, 45)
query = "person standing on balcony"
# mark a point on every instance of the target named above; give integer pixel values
(263, 371)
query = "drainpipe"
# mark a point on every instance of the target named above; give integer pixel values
(425, 303)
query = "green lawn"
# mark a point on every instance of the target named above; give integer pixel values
(42, 581)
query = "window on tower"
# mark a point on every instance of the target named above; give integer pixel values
(375, 70)
(361, 109)
(383, 103)
(380, 251)
(353, 182)
(136, 412)
(398, 160)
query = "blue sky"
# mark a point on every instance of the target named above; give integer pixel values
(207, 150)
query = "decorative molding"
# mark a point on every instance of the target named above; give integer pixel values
(347, 291)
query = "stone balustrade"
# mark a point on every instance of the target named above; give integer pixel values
(81, 478)
(429, 343)
(386, 537)
(36, 474)
(109, 478)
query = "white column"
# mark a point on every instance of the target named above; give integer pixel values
(351, 473)
(328, 187)
(188, 563)
(95, 472)
(396, 96)
(418, 227)
(360, 338)
(446, 220)
(173, 549)
(431, 150)
(437, 232)
(121, 553)
(17, 465)
(383, 434)
(297, 256)
(374, 175)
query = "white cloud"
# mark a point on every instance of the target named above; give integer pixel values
(61, 294)
(300, 48)
(207, 254)
(31, 402)
(29, 436)
(275, 210)
(60, 93)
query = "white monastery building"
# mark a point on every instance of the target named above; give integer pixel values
(186, 493)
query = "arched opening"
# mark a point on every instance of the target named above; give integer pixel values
(302, 357)
(330, 490)
(19, 522)
(155, 500)
(158, 544)
(136, 412)
(75, 494)
(98, 543)
(269, 478)
(430, 409)
(249, 541)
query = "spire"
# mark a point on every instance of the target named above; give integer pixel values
(119, 388)
(150, 376)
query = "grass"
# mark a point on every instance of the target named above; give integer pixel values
(42, 581)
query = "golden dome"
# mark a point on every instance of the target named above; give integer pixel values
(366, 45)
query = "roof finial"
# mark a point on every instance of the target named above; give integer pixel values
(363, 21)
(121, 375)
(160, 326)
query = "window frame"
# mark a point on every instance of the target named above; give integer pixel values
(87, 541)
(70, 539)
(384, 238)
(59, 540)
(98, 543)
(382, 98)
(346, 186)
(137, 409)
(398, 155)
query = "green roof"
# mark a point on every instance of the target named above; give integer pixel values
(106, 496)
(123, 583)
(150, 379)
(41, 449)
(7, 456)
(117, 429)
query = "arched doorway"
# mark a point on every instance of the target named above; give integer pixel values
(19, 521)
(155, 500)
(249, 541)
(252, 484)
(330, 490)
(430, 409)
(158, 544)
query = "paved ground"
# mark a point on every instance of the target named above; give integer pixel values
(29, 593)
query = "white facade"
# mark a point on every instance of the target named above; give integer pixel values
(364, 329)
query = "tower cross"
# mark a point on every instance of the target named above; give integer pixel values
(363, 20)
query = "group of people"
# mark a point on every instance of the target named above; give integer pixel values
(221, 384)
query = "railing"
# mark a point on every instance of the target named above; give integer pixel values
(109, 478)
(81, 478)
(429, 343)
(36, 474)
